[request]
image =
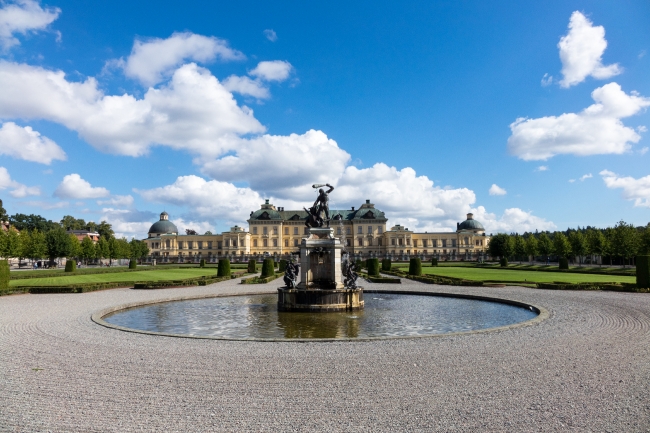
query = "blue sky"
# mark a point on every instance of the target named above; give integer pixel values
(531, 116)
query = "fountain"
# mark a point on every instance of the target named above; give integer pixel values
(322, 287)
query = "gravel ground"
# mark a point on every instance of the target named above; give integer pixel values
(586, 368)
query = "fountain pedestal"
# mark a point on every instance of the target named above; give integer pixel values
(321, 288)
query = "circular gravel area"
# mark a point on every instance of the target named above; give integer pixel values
(585, 368)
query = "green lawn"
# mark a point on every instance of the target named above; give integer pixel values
(481, 274)
(162, 274)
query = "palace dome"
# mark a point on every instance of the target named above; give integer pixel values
(163, 226)
(470, 224)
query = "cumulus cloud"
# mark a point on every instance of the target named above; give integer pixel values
(595, 130)
(547, 80)
(513, 220)
(271, 35)
(128, 223)
(586, 176)
(152, 60)
(207, 199)
(274, 70)
(271, 162)
(117, 200)
(25, 143)
(497, 190)
(23, 16)
(18, 190)
(246, 86)
(542, 168)
(46, 204)
(581, 52)
(192, 112)
(74, 187)
(633, 189)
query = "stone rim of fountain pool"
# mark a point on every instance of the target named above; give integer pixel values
(542, 314)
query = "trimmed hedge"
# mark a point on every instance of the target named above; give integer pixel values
(268, 269)
(282, 265)
(252, 266)
(643, 272)
(132, 264)
(360, 264)
(188, 282)
(384, 280)
(415, 266)
(386, 264)
(261, 280)
(70, 266)
(202, 263)
(224, 268)
(434, 262)
(373, 267)
(503, 262)
(617, 287)
(4, 276)
(563, 263)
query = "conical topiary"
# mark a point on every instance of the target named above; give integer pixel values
(386, 264)
(268, 270)
(373, 267)
(252, 266)
(415, 266)
(223, 269)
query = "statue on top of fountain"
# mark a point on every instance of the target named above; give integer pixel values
(320, 207)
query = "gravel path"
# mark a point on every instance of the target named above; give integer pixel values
(585, 369)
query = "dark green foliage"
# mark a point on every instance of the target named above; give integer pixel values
(434, 262)
(252, 266)
(373, 267)
(202, 263)
(386, 265)
(224, 268)
(642, 272)
(503, 262)
(4, 275)
(359, 264)
(501, 245)
(268, 269)
(564, 263)
(415, 266)
(70, 266)
(282, 266)
(132, 264)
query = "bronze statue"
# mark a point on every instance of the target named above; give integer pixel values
(291, 274)
(351, 275)
(321, 206)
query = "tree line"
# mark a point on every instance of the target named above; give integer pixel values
(619, 243)
(36, 238)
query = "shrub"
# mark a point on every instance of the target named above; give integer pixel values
(252, 266)
(373, 267)
(359, 264)
(503, 262)
(386, 265)
(132, 264)
(4, 275)
(415, 266)
(202, 263)
(434, 262)
(70, 266)
(223, 269)
(642, 272)
(282, 266)
(268, 269)
(564, 263)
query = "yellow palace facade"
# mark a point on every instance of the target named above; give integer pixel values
(276, 232)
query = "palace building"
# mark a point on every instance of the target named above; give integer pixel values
(276, 232)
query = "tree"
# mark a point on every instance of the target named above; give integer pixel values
(519, 247)
(87, 249)
(531, 247)
(500, 246)
(190, 231)
(597, 243)
(208, 233)
(644, 241)
(58, 243)
(35, 245)
(544, 245)
(13, 246)
(625, 241)
(138, 249)
(561, 245)
(75, 246)
(578, 244)
(105, 230)
(3, 213)
(69, 222)
(31, 222)
(102, 249)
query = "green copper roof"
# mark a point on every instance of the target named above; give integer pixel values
(470, 224)
(163, 226)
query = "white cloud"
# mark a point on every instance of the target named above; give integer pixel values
(595, 130)
(153, 59)
(497, 190)
(513, 220)
(542, 168)
(47, 205)
(247, 87)
(23, 16)
(25, 143)
(74, 187)
(644, 150)
(633, 189)
(272, 162)
(547, 80)
(117, 200)
(586, 176)
(275, 70)
(199, 226)
(571, 180)
(193, 112)
(18, 190)
(581, 52)
(208, 199)
(271, 35)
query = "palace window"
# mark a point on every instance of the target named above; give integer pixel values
(424, 243)
(167, 243)
(415, 242)
(401, 241)
(295, 242)
(209, 245)
(360, 230)
(444, 244)
(379, 240)
(255, 242)
(286, 242)
(254, 230)
(180, 245)
(453, 242)
(348, 242)
(338, 230)
(200, 245)
(286, 230)
(466, 241)
(275, 231)
(190, 245)
(360, 241)
(295, 230)
(305, 231)
(380, 229)
(349, 231)
(265, 242)
(219, 245)
(369, 230)
(265, 230)
(275, 242)
(392, 241)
